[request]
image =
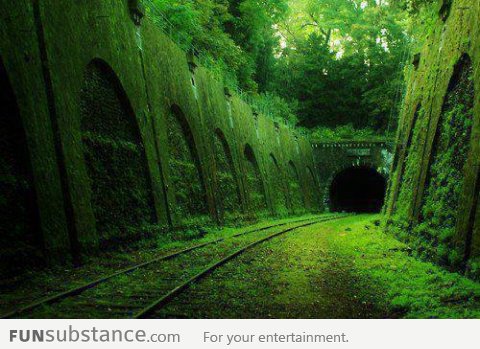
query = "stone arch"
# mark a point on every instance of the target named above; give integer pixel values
(314, 201)
(403, 160)
(357, 189)
(228, 194)
(295, 188)
(20, 234)
(114, 153)
(185, 169)
(446, 167)
(360, 162)
(255, 185)
(279, 194)
(445, 9)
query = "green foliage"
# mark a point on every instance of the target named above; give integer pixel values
(316, 63)
(185, 172)
(234, 38)
(346, 132)
(434, 236)
(342, 61)
(273, 106)
(228, 194)
(279, 194)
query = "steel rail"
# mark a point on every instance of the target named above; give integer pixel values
(166, 298)
(79, 289)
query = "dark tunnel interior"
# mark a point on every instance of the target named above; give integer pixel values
(358, 189)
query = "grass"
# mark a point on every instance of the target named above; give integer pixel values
(35, 284)
(347, 268)
(405, 286)
(341, 269)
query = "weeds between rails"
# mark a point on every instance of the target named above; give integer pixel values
(80, 289)
(166, 298)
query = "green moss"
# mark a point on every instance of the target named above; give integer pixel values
(295, 189)
(115, 156)
(405, 286)
(441, 202)
(185, 172)
(279, 195)
(434, 236)
(19, 226)
(228, 194)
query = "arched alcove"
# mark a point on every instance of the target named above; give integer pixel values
(401, 167)
(20, 235)
(185, 169)
(279, 195)
(314, 199)
(450, 149)
(445, 10)
(295, 189)
(255, 187)
(357, 189)
(228, 193)
(115, 156)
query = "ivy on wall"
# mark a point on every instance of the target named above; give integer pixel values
(257, 197)
(228, 195)
(279, 195)
(295, 189)
(115, 157)
(185, 171)
(446, 173)
(433, 236)
(19, 229)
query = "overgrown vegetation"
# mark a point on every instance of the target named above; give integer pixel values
(115, 157)
(341, 269)
(311, 63)
(185, 172)
(279, 194)
(255, 184)
(434, 236)
(228, 194)
(19, 235)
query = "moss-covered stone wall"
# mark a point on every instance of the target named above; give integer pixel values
(433, 195)
(332, 158)
(96, 90)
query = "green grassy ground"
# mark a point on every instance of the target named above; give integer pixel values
(341, 269)
(35, 284)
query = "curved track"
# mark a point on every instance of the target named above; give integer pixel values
(131, 305)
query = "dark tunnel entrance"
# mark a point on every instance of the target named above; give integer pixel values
(358, 189)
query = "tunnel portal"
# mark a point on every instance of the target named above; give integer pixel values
(357, 189)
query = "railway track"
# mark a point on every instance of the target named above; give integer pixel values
(135, 294)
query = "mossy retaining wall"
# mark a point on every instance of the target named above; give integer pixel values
(332, 158)
(433, 195)
(46, 48)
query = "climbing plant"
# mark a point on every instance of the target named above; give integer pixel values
(445, 178)
(258, 201)
(279, 195)
(185, 172)
(115, 157)
(228, 195)
(20, 234)
(295, 189)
